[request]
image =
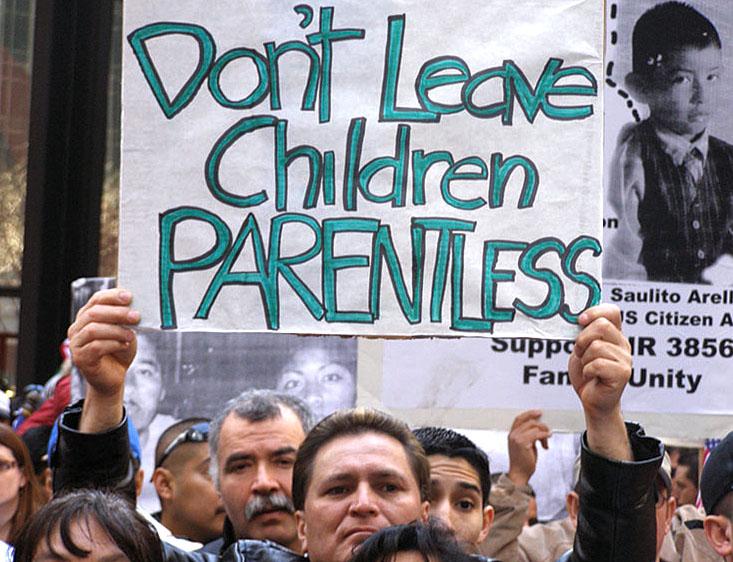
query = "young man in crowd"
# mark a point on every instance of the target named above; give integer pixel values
(686, 478)
(460, 483)
(359, 471)
(695, 536)
(190, 505)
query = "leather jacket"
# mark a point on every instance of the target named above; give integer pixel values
(616, 521)
(241, 551)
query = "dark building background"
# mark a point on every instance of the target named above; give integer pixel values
(60, 94)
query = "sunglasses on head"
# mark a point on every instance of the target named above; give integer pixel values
(198, 433)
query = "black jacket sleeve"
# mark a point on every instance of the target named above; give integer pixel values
(92, 460)
(173, 554)
(617, 522)
(240, 551)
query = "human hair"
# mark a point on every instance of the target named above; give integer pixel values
(30, 496)
(154, 343)
(724, 506)
(159, 349)
(666, 28)
(254, 406)
(340, 350)
(36, 439)
(691, 461)
(451, 444)
(433, 542)
(171, 432)
(357, 421)
(127, 529)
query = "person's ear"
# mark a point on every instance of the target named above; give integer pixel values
(424, 511)
(718, 532)
(46, 481)
(164, 483)
(488, 520)
(572, 504)
(302, 529)
(139, 479)
(671, 506)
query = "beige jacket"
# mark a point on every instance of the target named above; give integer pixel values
(686, 540)
(510, 541)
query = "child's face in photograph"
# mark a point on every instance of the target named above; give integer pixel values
(682, 92)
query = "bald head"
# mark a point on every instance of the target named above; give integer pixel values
(171, 434)
(190, 506)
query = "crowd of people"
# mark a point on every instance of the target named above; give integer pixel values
(262, 481)
(276, 477)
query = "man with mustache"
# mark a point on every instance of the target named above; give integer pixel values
(359, 470)
(253, 442)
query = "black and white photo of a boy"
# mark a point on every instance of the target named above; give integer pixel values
(671, 182)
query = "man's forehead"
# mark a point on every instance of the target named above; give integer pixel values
(146, 350)
(456, 469)
(278, 431)
(189, 453)
(359, 451)
(285, 417)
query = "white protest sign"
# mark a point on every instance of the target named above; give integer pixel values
(681, 333)
(682, 345)
(376, 168)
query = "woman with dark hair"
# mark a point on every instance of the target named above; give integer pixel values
(414, 542)
(88, 525)
(20, 494)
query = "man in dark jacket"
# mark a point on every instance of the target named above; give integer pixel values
(352, 477)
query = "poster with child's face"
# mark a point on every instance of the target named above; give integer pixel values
(668, 214)
(669, 142)
(667, 250)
